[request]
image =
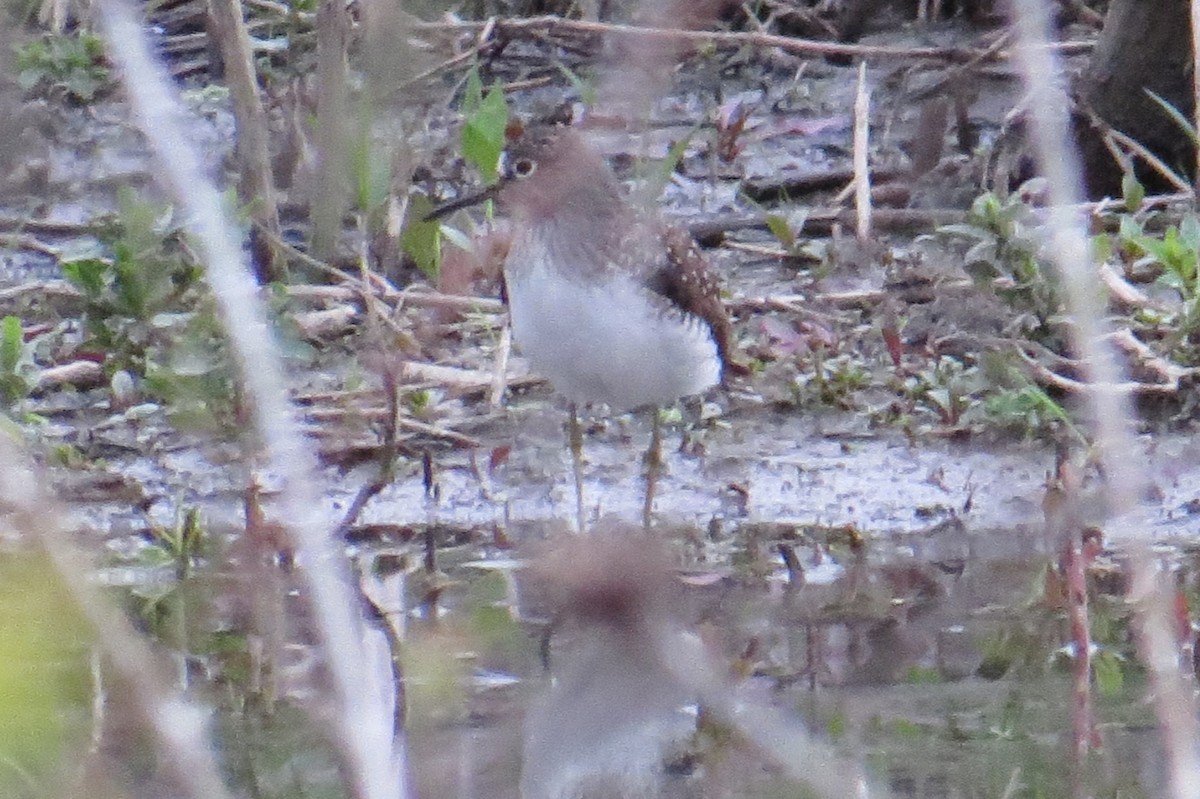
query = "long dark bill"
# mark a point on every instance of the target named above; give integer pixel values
(466, 201)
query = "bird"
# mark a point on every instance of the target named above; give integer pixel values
(616, 719)
(606, 301)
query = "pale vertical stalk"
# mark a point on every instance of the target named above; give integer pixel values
(500, 367)
(1195, 9)
(363, 727)
(862, 174)
(1070, 249)
(179, 731)
(1071, 253)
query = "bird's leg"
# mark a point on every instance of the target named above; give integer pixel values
(653, 466)
(575, 437)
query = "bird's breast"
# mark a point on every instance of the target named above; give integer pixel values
(604, 337)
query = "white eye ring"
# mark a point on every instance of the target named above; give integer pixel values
(523, 168)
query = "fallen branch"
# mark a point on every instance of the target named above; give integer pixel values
(547, 25)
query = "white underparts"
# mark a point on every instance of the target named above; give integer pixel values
(610, 341)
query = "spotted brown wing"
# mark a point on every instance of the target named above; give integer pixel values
(685, 279)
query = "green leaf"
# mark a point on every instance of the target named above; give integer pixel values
(422, 239)
(1189, 232)
(1133, 192)
(964, 231)
(12, 343)
(472, 92)
(483, 134)
(781, 230)
(129, 284)
(657, 179)
(1129, 228)
(1110, 679)
(87, 275)
(372, 172)
(980, 261)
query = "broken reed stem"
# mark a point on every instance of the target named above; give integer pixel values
(1083, 724)
(1071, 255)
(499, 385)
(862, 174)
(389, 446)
(363, 734)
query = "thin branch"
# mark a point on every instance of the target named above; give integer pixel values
(804, 47)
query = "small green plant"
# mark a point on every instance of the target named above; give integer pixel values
(190, 371)
(147, 313)
(655, 179)
(1001, 234)
(787, 230)
(130, 296)
(72, 66)
(180, 544)
(1177, 251)
(1011, 400)
(946, 388)
(1173, 257)
(1003, 255)
(832, 382)
(1028, 409)
(485, 121)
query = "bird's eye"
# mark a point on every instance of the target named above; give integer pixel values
(523, 167)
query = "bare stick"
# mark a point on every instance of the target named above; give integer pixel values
(654, 465)
(1156, 163)
(862, 174)
(500, 370)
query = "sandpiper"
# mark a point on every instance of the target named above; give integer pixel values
(607, 302)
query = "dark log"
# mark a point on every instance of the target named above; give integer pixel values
(1144, 45)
